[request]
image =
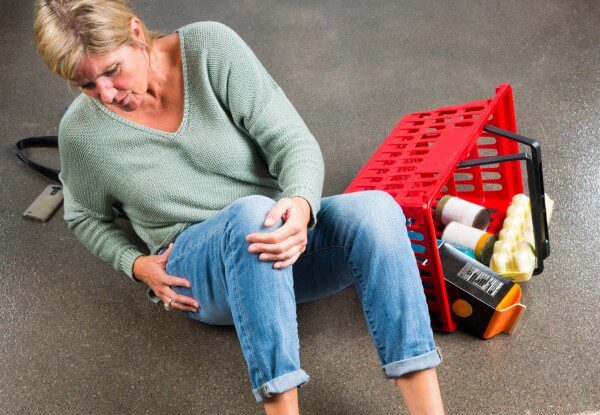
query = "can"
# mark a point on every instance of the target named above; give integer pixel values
(454, 209)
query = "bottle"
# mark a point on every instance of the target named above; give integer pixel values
(454, 209)
(480, 242)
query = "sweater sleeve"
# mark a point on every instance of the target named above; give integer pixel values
(89, 213)
(259, 107)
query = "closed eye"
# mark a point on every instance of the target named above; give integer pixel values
(110, 73)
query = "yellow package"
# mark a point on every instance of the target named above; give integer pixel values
(514, 255)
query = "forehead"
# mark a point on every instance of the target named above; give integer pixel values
(92, 66)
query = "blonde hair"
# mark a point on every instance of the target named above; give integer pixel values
(65, 31)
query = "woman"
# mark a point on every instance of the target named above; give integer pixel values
(221, 178)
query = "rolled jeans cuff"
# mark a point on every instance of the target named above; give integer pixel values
(281, 384)
(401, 367)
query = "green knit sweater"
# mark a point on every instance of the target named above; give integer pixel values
(240, 136)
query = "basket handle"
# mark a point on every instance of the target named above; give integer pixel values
(536, 187)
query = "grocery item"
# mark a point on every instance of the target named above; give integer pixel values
(454, 209)
(514, 253)
(480, 242)
(483, 302)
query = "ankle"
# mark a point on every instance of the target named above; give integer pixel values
(285, 403)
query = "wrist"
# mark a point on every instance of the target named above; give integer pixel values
(305, 208)
(136, 269)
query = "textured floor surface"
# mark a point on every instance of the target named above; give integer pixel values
(78, 337)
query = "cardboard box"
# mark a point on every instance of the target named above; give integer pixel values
(484, 302)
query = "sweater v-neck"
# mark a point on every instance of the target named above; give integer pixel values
(155, 131)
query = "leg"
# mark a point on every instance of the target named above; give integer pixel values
(285, 403)
(234, 287)
(361, 237)
(421, 392)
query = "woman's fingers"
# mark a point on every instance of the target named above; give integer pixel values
(163, 258)
(286, 230)
(180, 301)
(163, 282)
(278, 211)
(184, 307)
(278, 248)
(167, 251)
(180, 282)
(178, 306)
(288, 262)
(280, 257)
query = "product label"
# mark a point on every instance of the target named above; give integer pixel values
(480, 279)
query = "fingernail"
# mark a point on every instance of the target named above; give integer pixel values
(269, 221)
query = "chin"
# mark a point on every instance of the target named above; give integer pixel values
(131, 107)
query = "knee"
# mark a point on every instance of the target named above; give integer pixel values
(248, 213)
(374, 207)
(379, 219)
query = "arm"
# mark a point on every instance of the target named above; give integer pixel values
(101, 235)
(259, 107)
(88, 209)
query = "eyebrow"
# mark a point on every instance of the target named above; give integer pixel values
(106, 69)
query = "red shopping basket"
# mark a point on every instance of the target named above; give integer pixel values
(469, 150)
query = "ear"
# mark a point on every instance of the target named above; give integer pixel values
(136, 29)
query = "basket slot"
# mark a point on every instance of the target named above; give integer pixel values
(393, 186)
(425, 144)
(490, 175)
(427, 284)
(430, 136)
(484, 141)
(463, 124)
(404, 138)
(446, 112)
(430, 296)
(462, 177)
(471, 109)
(487, 152)
(379, 171)
(492, 187)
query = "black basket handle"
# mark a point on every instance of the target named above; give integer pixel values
(536, 187)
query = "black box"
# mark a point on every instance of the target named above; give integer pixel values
(484, 302)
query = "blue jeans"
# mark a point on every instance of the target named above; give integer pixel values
(359, 238)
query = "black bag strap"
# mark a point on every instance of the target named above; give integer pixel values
(48, 141)
(30, 142)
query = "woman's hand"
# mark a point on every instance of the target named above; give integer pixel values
(285, 244)
(151, 269)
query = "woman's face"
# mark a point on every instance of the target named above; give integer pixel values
(118, 78)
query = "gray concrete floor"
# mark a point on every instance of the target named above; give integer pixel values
(78, 337)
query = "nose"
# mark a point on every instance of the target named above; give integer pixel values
(106, 92)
